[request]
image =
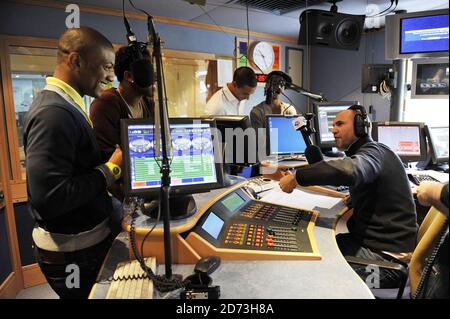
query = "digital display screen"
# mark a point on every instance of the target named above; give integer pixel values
(213, 225)
(431, 79)
(284, 138)
(325, 117)
(193, 156)
(403, 140)
(424, 34)
(233, 202)
(439, 136)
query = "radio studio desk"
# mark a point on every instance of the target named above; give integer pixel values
(327, 277)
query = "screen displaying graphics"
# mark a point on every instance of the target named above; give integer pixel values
(192, 166)
(325, 118)
(213, 225)
(406, 139)
(283, 138)
(439, 143)
(424, 34)
(403, 140)
(430, 79)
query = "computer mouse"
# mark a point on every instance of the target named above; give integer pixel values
(207, 265)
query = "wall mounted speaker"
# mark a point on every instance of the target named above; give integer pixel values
(331, 29)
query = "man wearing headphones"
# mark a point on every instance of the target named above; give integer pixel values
(275, 85)
(383, 225)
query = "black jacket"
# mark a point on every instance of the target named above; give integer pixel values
(384, 216)
(66, 193)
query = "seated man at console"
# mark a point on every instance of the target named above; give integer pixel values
(276, 83)
(383, 225)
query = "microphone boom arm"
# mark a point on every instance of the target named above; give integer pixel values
(302, 91)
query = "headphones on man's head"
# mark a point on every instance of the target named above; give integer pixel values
(361, 122)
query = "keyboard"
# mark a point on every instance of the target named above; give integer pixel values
(418, 178)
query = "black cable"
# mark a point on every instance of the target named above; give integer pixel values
(426, 272)
(214, 21)
(248, 36)
(379, 14)
(292, 103)
(151, 230)
(161, 283)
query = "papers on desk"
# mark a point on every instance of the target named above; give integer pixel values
(299, 198)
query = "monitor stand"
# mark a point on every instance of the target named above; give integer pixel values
(181, 206)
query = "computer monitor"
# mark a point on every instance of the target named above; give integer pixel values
(438, 143)
(406, 139)
(282, 137)
(238, 139)
(194, 168)
(415, 35)
(325, 113)
(430, 79)
(424, 33)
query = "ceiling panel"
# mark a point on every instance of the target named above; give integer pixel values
(230, 14)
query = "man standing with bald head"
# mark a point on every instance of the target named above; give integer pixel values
(66, 179)
(383, 225)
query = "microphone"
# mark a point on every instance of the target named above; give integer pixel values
(313, 154)
(141, 67)
(299, 89)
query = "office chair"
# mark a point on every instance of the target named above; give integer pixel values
(430, 232)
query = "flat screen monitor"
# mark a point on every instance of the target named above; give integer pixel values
(438, 143)
(282, 137)
(237, 137)
(194, 167)
(430, 79)
(325, 113)
(406, 139)
(423, 34)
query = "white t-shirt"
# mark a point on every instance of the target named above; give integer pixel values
(223, 102)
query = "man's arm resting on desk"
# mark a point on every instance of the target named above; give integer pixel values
(434, 194)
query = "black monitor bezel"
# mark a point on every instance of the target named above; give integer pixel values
(175, 189)
(400, 27)
(235, 121)
(416, 64)
(268, 149)
(423, 145)
(431, 144)
(316, 105)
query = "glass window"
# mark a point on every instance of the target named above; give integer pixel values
(29, 68)
(187, 78)
(185, 81)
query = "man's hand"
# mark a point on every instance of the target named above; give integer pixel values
(278, 175)
(429, 193)
(288, 183)
(116, 157)
(347, 200)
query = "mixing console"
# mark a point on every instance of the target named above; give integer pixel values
(240, 222)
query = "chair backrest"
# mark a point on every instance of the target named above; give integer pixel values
(427, 237)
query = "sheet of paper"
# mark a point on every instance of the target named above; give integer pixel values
(224, 72)
(299, 199)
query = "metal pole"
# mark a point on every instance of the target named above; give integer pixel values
(398, 91)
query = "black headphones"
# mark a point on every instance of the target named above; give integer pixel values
(361, 122)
